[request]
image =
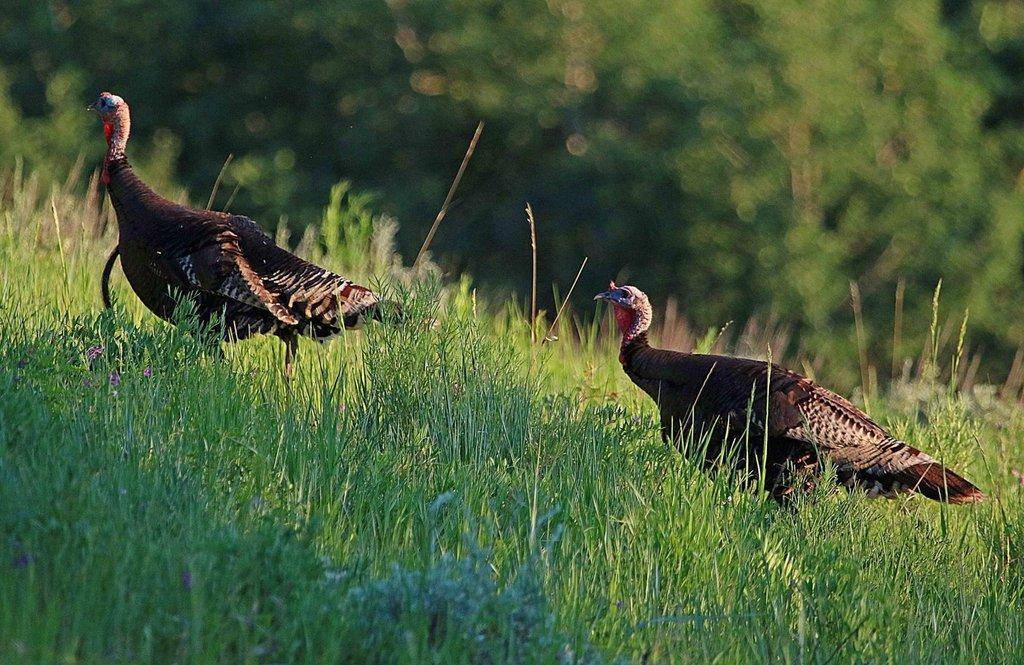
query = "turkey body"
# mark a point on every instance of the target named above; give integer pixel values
(233, 272)
(764, 422)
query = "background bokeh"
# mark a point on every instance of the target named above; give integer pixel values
(750, 159)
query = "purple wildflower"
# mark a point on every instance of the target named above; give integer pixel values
(21, 560)
(115, 379)
(94, 352)
(87, 382)
(23, 363)
(148, 372)
(186, 579)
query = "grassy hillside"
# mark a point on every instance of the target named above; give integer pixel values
(437, 492)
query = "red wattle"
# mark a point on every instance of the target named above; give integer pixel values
(624, 319)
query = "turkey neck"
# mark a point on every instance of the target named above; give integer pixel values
(136, 205)
(116, 128)
(139, 209)
(631, 346)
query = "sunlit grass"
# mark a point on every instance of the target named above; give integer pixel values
(438, 491)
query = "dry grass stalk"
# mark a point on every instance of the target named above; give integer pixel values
(897, 327)
(216, 183)
(862, 351)
(558, 314)
(533, 276)
(60, 248)
(451, 194)
(231, 198)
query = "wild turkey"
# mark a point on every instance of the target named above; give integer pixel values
(234, 273)
(758, 418)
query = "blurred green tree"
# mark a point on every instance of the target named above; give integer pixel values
(748, 156)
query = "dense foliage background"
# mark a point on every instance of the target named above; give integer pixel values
(750, 158)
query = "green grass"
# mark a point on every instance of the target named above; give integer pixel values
(438, 492)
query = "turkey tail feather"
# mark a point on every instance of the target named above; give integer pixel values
(105, 278)
(939, 483)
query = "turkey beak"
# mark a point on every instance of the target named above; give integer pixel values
(605, 295)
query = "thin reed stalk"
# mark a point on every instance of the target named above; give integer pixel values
(897, 327)
(862, 351)
(216, 183)
(558, 314)
(451, 194)
(533, 275)
(60, 248)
